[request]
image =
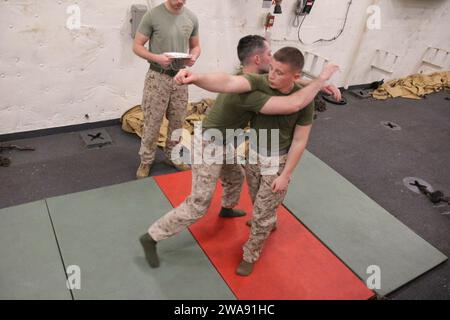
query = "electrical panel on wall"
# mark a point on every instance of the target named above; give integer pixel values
(304, 7)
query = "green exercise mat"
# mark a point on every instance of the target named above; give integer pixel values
(366, 237)
(98, 233)
(30, 264)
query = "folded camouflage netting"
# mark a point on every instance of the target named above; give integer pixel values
(413, 87)
(133, 120)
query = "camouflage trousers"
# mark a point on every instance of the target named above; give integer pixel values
(260, 177)
(204, 181)
(162, 96)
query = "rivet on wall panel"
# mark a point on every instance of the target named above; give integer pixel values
(19, 74)
(2, 75)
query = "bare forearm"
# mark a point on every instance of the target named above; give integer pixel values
(300, 139)
(295, 101)
(294, 156)
(303, 82)
(307, 94)
(222, 82)
(142, 52)
(195, 52)
(325, 88)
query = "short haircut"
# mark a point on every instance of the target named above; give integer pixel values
(291, 56)
(248, 46)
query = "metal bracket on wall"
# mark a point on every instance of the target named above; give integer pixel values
(385, 61)
(315, 66)
(435, 57)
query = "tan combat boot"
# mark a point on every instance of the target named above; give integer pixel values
(178, 165)
(143, 171)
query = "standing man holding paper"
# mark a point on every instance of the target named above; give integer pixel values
(172, 32)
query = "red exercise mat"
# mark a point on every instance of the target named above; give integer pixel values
(294, 264)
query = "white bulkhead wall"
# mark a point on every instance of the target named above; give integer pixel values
(51, 76)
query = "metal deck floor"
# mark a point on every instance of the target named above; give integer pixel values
(349, 139)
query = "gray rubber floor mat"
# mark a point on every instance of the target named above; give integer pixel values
(31, 266)
(98, 231)
(361, 233)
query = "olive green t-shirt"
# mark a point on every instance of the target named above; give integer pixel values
(168, 32)
(234, 111)
(285, 124)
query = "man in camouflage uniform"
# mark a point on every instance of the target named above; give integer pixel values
(229, 112)
(254, 53)
(169, 27)
(268, 184)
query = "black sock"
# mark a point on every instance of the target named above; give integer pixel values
(149, 246)
(231, 213)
